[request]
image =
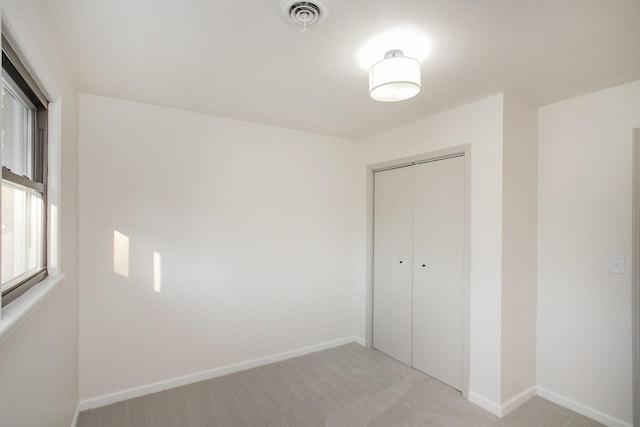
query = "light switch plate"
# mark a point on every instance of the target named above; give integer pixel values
(616, 264)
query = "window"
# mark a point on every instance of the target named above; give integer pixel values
(23, 135)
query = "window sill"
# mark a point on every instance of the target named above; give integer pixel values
(13, 313)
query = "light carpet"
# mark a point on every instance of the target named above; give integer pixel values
(347, 386)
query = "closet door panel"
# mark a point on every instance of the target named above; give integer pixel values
(438, 301)
(392, 263)
(450, 273)
(425, 292)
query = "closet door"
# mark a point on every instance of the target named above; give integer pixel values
(438, 269)
(392, 263)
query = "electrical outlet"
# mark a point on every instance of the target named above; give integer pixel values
(616, 264)
(266, 330)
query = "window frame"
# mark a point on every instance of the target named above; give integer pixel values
(20, 76)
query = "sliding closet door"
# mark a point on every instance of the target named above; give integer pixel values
(392, 263)
(438, 269)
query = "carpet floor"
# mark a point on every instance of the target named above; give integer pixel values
(347, 386)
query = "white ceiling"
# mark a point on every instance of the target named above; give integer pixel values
(239, 59)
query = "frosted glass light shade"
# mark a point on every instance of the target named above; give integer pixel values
(395, 78)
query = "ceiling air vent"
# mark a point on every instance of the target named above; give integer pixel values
(304, 14)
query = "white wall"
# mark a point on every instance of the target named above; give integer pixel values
(258, 224)
(519, 238)
(39, 357)
(584, 214)
(254, 224)
(478, 124)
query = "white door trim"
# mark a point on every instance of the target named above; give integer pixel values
(636, 278)
(371, 169)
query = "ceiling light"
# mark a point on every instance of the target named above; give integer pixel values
(395, 78)
(411, 40)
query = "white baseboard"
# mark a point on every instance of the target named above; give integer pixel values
(582, 409)
(74, 422)
(501, 410)
(484, 403)
(517, 400)
(360, 341)
(107, 399)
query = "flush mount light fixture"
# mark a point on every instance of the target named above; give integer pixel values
(412, 41)
(395, 78)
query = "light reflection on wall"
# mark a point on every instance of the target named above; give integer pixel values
(53, 244)
(157, 272)
(120, 254)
